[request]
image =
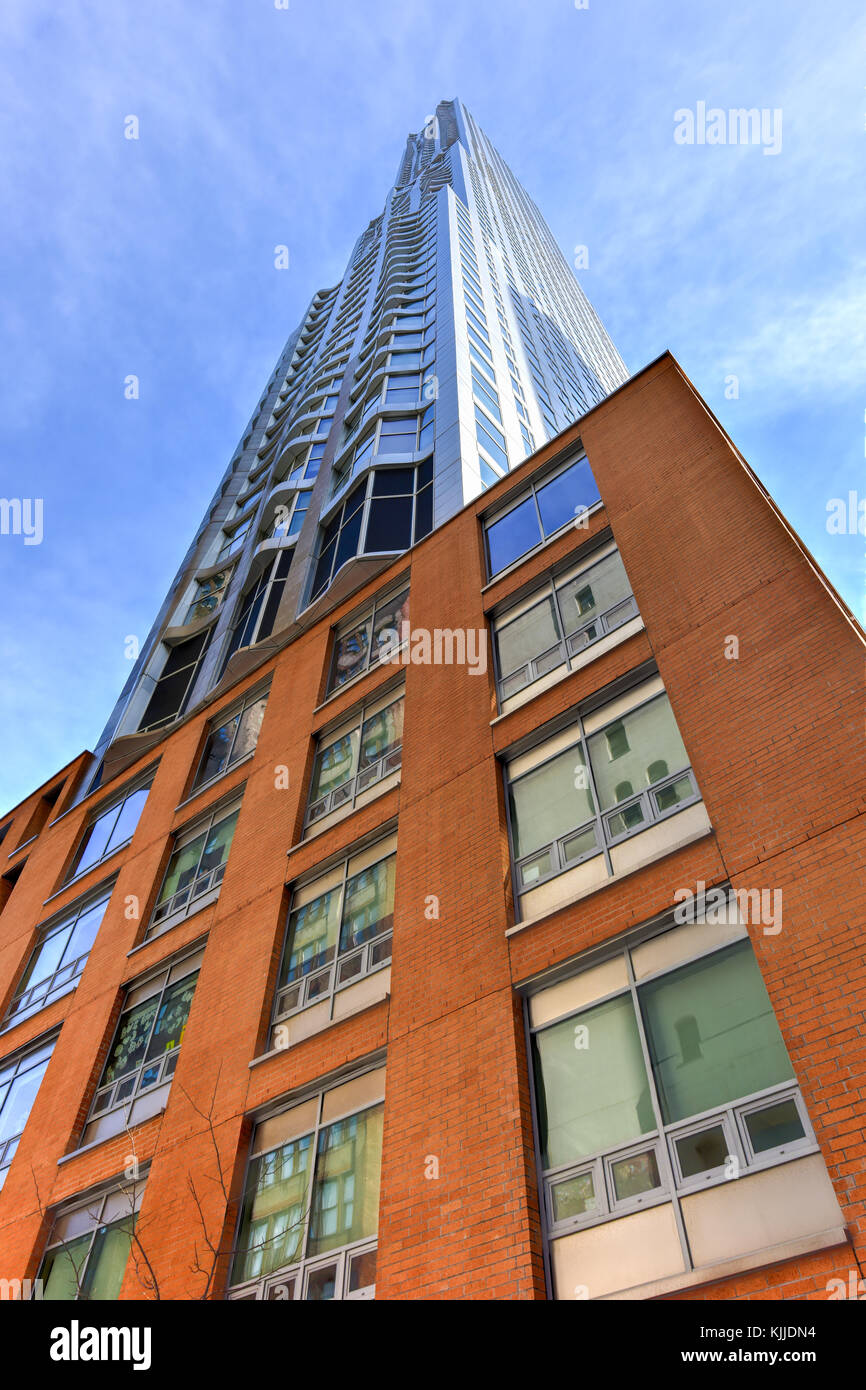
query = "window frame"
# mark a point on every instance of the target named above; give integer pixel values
(522, 495)
(163, 978)
(549, 589)
(20, 1057)
(67, 917)
(351, 724)
(604, 842)
(102, 1198)
(237, 709)
(662, 1138)
(364, 951)
(117, 801)
(201, 826)
(366, 618)
(260, 1287)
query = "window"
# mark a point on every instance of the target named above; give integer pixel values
(143, 1056)
(400, 436)
(389, 510)
(196, 867)
(111, 830)
(364, 751)
(289, 517)
(258, 608)
(208, 595)
(175, 681)
(360, 644)
(546, 508)
(233, 539)
(339, 929)
(402, 390)
(234, 738)
(557, 623)
(490, 439)
(59, 958)
(20, 1079)
(311, 1201)
(595, 789)
(89, 1248)
(666, 1076)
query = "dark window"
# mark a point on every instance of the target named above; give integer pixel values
(175, 682)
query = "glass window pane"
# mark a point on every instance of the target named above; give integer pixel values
(350, 654)
(312, 937)
(62, 1270)
(393, 482)
(381, 734)
(107, 1263)
(128, 819)
(635, 751)
(335, 764)
(250, 727)
(347, 545)
(19, 1099)
(634, 1175)
(346, 1187)
(712, 1033)
(46, 958)
(701, 1152)
(593, 592)
(84, 932)
(574, 1197)
(423, 513)
(216, 850)
(547, 803)
(129, 1045)
(362, 1271)
(512, 535)
(96, 841)
(272, 1225)
(527, 637)
(321, 1284)
(560, 500)
(389, 526)
(388, 623)
(216, 750)
(368, 909)
(592, 1085)
(171, 1020)
(182, 867)
(774, 1125)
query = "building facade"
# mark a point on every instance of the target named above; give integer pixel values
(493, 931)
(457, 342)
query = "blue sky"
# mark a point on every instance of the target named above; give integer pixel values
(262, 126)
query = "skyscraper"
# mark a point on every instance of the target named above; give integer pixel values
(512, 949)
(456, 343)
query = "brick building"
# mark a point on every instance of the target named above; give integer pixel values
(493, 931)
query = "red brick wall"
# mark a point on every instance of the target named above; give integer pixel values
(775, 741)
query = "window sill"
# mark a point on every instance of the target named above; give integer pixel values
(701, 834)
(311, 832)
(169, 923)
(329, 1022)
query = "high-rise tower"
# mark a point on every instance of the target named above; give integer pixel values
(456, 343)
